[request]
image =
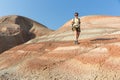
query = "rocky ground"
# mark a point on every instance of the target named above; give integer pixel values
(55, 57)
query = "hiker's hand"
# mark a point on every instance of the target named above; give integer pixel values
(71, 25)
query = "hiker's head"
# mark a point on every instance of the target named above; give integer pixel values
(76, 14)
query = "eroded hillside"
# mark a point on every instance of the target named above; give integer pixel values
(55, 57)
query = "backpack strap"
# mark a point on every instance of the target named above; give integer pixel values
(79, 20)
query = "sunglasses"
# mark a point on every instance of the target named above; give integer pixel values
(76, 15)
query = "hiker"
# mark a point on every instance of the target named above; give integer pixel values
(76, 27)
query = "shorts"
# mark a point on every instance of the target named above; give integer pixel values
(76, 28)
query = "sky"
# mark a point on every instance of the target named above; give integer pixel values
(55, 13)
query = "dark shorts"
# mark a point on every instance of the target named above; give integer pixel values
(77, 29)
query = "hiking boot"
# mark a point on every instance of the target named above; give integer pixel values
(76, 42)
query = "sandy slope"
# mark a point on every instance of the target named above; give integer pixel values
(55, 57)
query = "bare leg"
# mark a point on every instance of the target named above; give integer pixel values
(76, 35)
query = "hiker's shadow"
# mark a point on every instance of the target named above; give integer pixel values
(103, 39)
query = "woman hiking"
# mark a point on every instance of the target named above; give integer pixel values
(76, 27)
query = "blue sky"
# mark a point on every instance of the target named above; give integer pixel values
(54, 13)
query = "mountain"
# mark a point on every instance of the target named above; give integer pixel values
(15, 30)
(91, 26)
(54, 56)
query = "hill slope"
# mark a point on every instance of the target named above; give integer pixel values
(16, 30)
(91, 26)
(97, 57)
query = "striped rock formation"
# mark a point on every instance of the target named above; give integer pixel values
(15, 30)
(55, 57)
(91, 27)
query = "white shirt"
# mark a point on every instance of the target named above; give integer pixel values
(76, 22)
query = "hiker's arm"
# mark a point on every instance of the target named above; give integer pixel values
(72, 22)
